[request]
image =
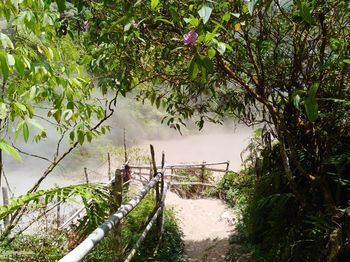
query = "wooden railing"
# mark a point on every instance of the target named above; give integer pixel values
(114, 221)
(145, 170)
(157, 182)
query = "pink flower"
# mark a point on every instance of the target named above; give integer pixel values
(86, 25)
(190, 38)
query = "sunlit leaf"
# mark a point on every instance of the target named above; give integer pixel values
(9, 149)
(154, 3)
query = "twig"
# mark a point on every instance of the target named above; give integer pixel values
(30, 154)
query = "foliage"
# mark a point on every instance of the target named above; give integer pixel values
(132, 228)
(43, 198)
(42, 76)
(235, 189)
(276, 228)
(53, 246)
(48, 247)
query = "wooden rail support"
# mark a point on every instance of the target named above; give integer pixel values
(160, 220)
(86, 175)
(109, 166)
(202, 172)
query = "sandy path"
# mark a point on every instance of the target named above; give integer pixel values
(206, 224)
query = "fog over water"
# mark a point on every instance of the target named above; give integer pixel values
(142, 124)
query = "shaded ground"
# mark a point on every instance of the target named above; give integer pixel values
(206, 224)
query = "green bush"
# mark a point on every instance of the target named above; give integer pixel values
(235, 189)
(45, 247)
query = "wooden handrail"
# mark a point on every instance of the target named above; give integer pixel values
(182, 165)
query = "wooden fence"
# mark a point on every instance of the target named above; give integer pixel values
(145, 170)
(113, 223)
(157, 180)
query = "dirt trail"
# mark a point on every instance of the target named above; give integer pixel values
(206, 224)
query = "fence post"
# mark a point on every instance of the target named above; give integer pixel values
(155, 173)
(150, 171)
(202, 172)
(5, 196)
(171, 174)
(109, 166)
(125, 150)
(86, 175)
(117, 201)
(161, 217)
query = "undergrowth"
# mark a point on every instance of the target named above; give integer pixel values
(53, 245)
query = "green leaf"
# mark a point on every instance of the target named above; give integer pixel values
(67, 114)
(194, 68)
(296, 101)
(313, 90)
(80, 137)
(311, 108)
(6, 41)
(25, 130)
(211, 53)
(34, 123)
(154, 4)
(17, 130)
(347, 61)
(19, 65)
(9, 149)
(61, 4)
(226, 17)
(21, 107)
(205, 13)
(209, 36)
(4, 66)
(305, 11)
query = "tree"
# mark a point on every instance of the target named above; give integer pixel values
(44, 81)
(284, 64)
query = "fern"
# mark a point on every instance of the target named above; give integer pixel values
(98, 192)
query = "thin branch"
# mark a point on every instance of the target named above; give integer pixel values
(30, 154)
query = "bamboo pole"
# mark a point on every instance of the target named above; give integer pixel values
(98, 234)
(148, 227)
(183, 165)
(193, 183)
(143, 236)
